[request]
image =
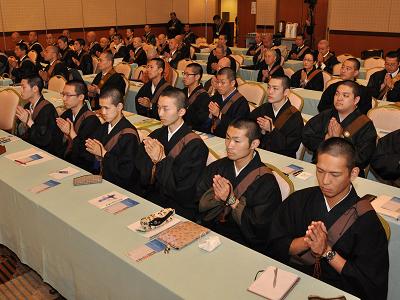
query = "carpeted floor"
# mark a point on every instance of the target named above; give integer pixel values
(18, 281)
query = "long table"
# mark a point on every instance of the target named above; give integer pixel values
(82, 251)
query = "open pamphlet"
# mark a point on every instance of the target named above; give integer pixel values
(387, 205)
(274, 283)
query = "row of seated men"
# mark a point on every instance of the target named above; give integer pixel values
(236, 196)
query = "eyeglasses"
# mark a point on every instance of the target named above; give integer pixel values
(188, 74)
(68, 95)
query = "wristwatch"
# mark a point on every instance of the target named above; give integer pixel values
(231, 200)
(329, 255)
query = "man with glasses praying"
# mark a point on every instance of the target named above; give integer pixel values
(77, 124)
(197, 98)
(228, 104)
(385, 84)
(309, 77)
(147, 97)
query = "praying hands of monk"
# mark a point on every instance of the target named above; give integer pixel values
(334, 129)
(95, 147)
(154, 149)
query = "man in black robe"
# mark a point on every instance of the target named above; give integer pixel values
(147, 97)
(35, 45)
(188, 35)
(281, 123)
(137, 54)
(77, 123)
(174, 26)
(93, 44)
(385, 84)
(308, 77)
(386, 159)
(149, 37)
(55, 66)
(83, 60)
(162, 44)
(300, 49)
(221, 27)
(238, 194)
(256, 47)
(343, 120)
(172, 158)
(120, 50)
(115, 143)
(197, 98)
(107, 78)
(38, 117)
(212, 61)
(357, 261)
(174, 55)
(67, 54)
(22, 66)
(228, 104)
(326, 59)
(349, 71)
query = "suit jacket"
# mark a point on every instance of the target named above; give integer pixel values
(122, 53)
(94, 47)
(86, 63)
(66, 57)
(150, 38)
(140, 57)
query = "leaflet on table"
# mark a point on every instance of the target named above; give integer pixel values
(44, 186)
(387, 205)
(60, 174)
(113, 202)
(292, 168)
(8, 139)
(274, 283)
(30, 157)
(204, 136)
(146, 123)
(146, 250)
(152, 233)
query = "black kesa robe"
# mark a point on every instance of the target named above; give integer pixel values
(119, 163)
(175, 178)
(249, 223)
(364, 140)
(363, 245)
(197, 109)
(76, 153)
(44, 132)
(286, 139)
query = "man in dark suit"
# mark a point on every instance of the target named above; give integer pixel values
(385, 84)
(149, 37)
(66, 52)
(188, 35)
(300, 49)
(221, 27)
(175, 55)
(83, 60)
(174, 26)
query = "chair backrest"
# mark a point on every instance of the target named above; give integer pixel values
(342, 57)
(326, 77)
(240, 80)
(371, 71)
(296, 100)
(385, 117)
(175, 76)
(371, 53)
(127, 83)
(288, 72)
(95, 62)
(32, 55)
(124, 69)
(374, 103)
(239, 58)
(182, 64)
(56, 83)
(336, 69)
(374, 62)
(332, 80)
(9, 100)
(253, 92)
(285, 184)
(138, 72)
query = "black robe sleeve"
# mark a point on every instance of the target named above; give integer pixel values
(239, 109)
(144, 91)
(79, 156)
(197, 114)
(45, 133)
(386, 159)
(60, 69)
(27, 68)
(211, 60)
(86, 65)
(326, 101)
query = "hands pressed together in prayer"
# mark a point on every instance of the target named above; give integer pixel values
(265, 124)
(214, 109)
(95, 147)
(144, 101)
(67, 127)
(154, 149)
(334, 129)
(24, 115)
(316, 238)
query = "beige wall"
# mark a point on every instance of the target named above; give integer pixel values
(266, 12)
(231, 7)
(25, 15)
